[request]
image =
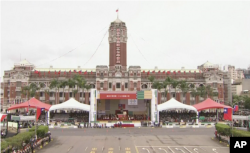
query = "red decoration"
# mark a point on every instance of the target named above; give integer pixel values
(36, 71)
(55, 71)
(148, 72)
(80, 72)
(59, 72)
(91, 72)
(85, 72)
(49, 72)
(70, 71)
(168, 72)
(179, 71)
(153, 72)
(159, 71)
(118, 96)
(228, 114)
(64, 72)
(143, 71)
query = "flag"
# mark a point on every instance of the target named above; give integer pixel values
(163, 72)
(117, 10)
(65, 72)
(184, 72)
(168, 72)
(189, 71)
(159, 71)
(153, 72)
(80, 72)
(148, 72)
(55, 71)
(228, 114)
(75, 71)
(59, 72)
(143, 71)
(70, 71)
(38, 113)
(236, 108)
(179, 71)
(49, 72)
(36, 71)
(91, 72)
(85, 72)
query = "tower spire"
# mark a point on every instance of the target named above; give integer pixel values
(117, 11)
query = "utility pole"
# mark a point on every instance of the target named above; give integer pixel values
(36, 124)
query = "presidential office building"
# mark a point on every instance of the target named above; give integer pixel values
(115, 78)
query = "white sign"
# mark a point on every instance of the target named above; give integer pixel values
(132, 102)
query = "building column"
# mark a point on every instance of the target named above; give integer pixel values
(86, 97)
(188, 98)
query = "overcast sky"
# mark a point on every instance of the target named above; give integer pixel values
(164, 34)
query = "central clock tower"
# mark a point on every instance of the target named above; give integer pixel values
(118, 45)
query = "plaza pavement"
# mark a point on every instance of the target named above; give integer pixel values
(133, 140)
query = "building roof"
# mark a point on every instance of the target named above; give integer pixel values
(24, 63)
(65, 69)
(172, 70)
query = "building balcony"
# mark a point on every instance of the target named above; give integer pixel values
(42, 98)
(61, 98)
(51, 98)
(18, 88)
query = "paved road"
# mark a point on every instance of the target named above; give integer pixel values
(133, 140)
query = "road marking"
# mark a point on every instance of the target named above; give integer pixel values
(214, 150)
(146, 149)
(102, 148)
(136, 149)
(188, 150)
(119, 147)
(180, 150)
(163, 149)
(170, 149)
(179, 146)
(195, 150)
(70, 148)
(86, 148)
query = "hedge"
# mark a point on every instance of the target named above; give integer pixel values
(223, 129)
(18, 139)
(226, 130)
(41, 130)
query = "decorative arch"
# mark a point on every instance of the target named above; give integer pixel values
(144, 86)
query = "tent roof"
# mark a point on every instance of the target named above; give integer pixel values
(70, 104)
(174, 104)
(209, 104)
(32, 103)
(2, 116)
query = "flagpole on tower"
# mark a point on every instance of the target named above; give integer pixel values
(117, 11)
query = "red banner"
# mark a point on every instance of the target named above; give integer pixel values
(117, 96)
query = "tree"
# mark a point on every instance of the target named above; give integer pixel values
(151, 79)
(202, 91)
(55, 84)
(80, 82)
(46, 93)
(29, 91)
(184, 88)
(247, 102)
(167, 83)
(175, 84)
(63, 84)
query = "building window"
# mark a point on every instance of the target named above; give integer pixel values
(134, 74)
(51, 94)
(135, 85)
(110, 85)
(81, 94)
(126, 85)
(101, 84)
(61, 94)
(41, 94)
(70, 94)
(118, 85)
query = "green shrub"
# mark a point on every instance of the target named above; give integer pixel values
(4, 145)
(41, 130)
(223, 129)
(226, 130)
(240, 133)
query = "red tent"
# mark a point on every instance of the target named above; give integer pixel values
(209, 104)
(32, 103)
(2, 116)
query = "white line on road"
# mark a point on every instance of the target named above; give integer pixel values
(214, 150)
(70, 148)
(188, 150)
(119, 147)
(86, 148)
(163, 149)
(146, 149)
(180, 150)
(195, 150)
(170, 149)
(178, 146)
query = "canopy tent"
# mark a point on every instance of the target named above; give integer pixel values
(174, 104)
(69, 104)
(32, 103)
(209, 104)
(2, 116)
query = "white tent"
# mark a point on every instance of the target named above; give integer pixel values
(174, 104)
(69, 104)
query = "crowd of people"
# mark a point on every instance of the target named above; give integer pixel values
(188, 116)
(127, 117)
